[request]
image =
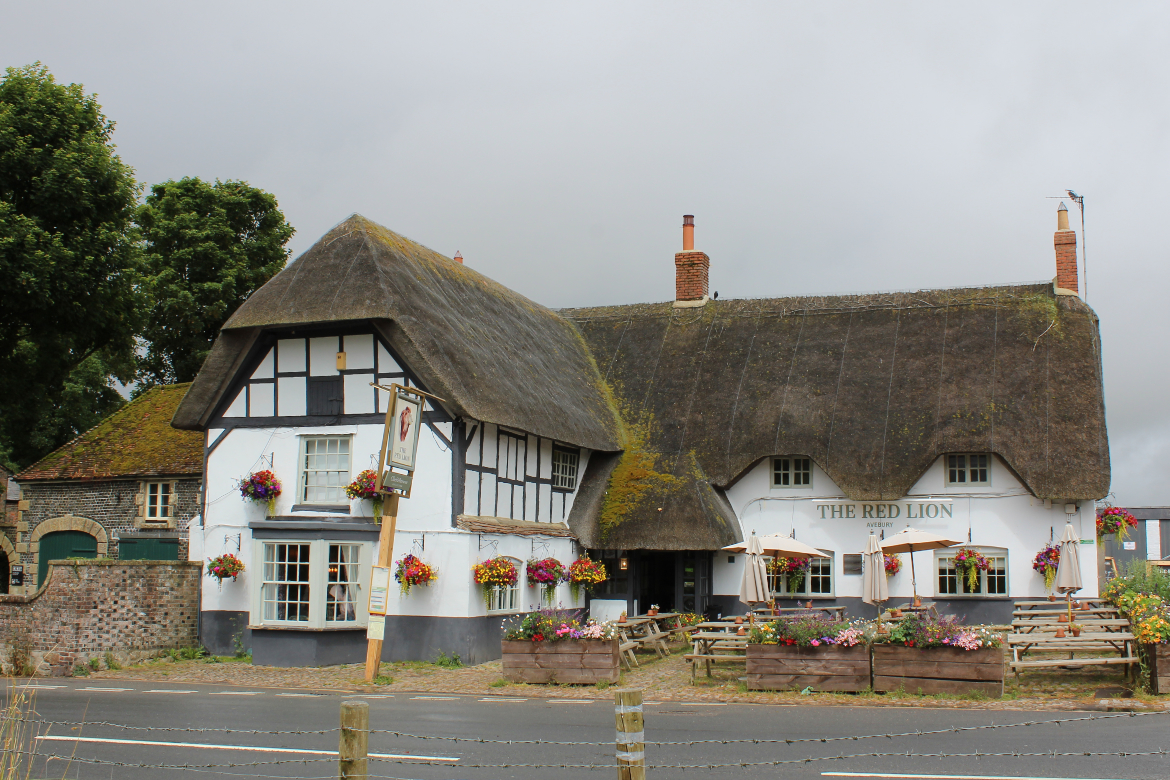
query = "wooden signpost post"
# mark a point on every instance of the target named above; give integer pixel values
(399, 448)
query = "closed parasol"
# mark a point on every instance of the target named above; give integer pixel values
(753, 588)
(874, 588)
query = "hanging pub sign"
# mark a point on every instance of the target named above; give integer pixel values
(400, 440)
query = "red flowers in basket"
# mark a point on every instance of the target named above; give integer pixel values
(893, 564)
(546, 574)
(1115, 521)
(226, 565)
(411, 571)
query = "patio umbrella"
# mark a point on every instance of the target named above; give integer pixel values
(911, 539)
(874, 588)
(753, 588)
(780, 545)
(1068, 569)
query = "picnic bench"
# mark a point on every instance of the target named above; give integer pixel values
(642, 631)
(716, 641)
(1035, 623)
(835, 612)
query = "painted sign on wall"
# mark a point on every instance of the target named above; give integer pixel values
(907, 510)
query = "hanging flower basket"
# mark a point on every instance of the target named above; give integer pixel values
(1046, 562)
(893, 564)
(546, 574)
(1116, 522)
(585, 573)
(261, 486)
(411, 571)
(793, 569)
(226, 565)
(494, 572)
(968, 564)
(363, 487)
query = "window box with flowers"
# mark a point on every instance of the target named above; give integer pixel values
(814, 650)
(554, 646)
(926, 655)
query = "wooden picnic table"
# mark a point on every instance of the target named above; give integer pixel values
(1034, 626)
(832, 610)
(644, 632)
(711, 646)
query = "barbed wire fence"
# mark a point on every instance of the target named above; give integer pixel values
(626, 754)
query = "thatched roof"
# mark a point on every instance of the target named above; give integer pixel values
(873, 388)
(135, 441)
(490, 352)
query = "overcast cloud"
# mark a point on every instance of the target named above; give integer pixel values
(823, 148)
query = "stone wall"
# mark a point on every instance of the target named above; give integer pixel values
(111, 504)
(132, 609)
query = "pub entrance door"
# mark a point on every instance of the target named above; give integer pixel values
(656, 571)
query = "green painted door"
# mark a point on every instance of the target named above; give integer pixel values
(63, 544)
(148, 548)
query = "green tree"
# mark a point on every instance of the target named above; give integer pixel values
(68, 263)
(207, 248)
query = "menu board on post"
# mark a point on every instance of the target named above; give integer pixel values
(379, 589)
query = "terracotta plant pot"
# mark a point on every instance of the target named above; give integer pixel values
(651, 612)
(741, 632)
(622, 619)
(1052, 597)
(918, 601)
(1062, 618)
(739, 621)
(897, 613)
(808, 605)
(1060, 633)
(1075, 631)
(1085, 607)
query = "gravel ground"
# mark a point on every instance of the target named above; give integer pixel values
(666, 679)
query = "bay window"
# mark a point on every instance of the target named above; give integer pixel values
(311, 583)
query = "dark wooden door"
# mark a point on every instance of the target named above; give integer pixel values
(325, 395)
(63, 544)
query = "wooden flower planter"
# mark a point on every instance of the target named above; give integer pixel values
(938, 670)
(826, 668)
(1158, 661)
(586, 662)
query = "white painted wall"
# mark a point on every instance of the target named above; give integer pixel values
(1002, 514)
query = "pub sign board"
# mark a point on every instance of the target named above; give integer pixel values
(404, 427)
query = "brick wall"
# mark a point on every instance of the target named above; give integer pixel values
(1065, 242)
(132, 609)
(690, 275)
(111, 504)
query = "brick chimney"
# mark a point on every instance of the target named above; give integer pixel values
(1065, 240)
(458, 258)
(690, 269)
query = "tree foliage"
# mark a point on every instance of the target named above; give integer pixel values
(68, 263)
(207, 248)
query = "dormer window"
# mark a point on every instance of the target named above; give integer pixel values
(969, 469)
(791, 472)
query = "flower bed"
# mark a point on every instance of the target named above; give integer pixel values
(796, 653)
(553, 646)
(928, 655)
(1141, 597)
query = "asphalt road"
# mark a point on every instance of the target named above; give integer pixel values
(176, 714)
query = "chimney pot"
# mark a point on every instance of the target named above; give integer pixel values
(458, 258)
(1065, 242)
(688, 232)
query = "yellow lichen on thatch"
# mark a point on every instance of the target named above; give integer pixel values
(636, 478)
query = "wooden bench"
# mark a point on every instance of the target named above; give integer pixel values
(626, 651)
(1034, 624)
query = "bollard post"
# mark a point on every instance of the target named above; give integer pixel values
(354, 742)
(631, 747)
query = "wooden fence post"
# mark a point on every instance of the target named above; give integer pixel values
(631, 747)
(354, 742)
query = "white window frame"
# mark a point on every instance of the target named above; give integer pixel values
(962, 473)
(319, 583)
(164, 506)
(303, 470)
(824, 567)
(1001, 574)
(505, 599)
(786, 467)
(565, 466)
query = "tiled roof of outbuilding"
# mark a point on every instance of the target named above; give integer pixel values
(135, 441)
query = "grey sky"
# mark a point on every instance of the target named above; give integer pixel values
(822, 147)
